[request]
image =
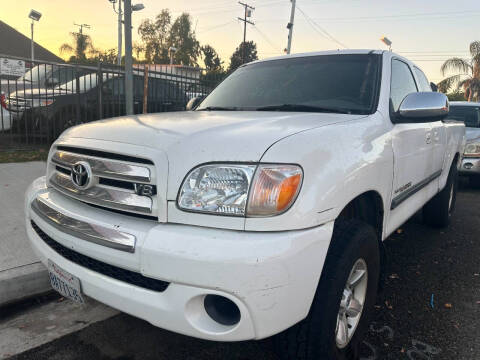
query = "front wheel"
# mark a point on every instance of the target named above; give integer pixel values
(340, 313)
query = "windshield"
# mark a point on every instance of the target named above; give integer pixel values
(467, 114)
(340, 83)
(36, 74)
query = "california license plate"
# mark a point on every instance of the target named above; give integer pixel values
(65, 283)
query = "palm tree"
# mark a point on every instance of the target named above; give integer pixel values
(79, 48)
(468, 76)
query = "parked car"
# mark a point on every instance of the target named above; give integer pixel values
(30, 89)
(260, 213)
(67, 105)
(469, 113)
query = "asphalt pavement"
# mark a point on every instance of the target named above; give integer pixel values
(429, 308)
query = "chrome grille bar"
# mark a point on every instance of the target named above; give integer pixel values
(89, 232)
(104, 168)
(113, 198)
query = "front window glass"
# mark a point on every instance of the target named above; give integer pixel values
(402, 83)
(326, 83)
(36, 74)
(467, 114)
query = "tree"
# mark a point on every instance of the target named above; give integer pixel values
(80, 47)
(212, 60)
(237, 57)
(154, 36)
(159, 35)
(468, 76)
(456, 96)
(183, 39)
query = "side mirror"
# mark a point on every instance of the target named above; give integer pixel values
(434, 87)
(194, 102)
(424, 106)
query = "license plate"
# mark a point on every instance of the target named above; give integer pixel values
(65, 283)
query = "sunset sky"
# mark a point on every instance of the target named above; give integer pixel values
(427, 31)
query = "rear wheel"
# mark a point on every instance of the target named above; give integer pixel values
(341, 309)
(438, 211)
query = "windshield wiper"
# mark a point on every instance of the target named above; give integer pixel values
(303, 108)
(218, 108)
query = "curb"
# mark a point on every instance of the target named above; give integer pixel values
(22, 282)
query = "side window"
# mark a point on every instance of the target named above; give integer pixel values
(402, 83)
(115, 87)
(423, 83)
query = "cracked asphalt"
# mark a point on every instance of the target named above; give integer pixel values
(429, 309)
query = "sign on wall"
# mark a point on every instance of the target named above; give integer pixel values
(11, 67)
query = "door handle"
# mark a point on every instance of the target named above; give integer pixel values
(428, 138)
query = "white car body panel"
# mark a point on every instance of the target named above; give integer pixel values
(268, 266)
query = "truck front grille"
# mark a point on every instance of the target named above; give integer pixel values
(118, 182)
(111, 271)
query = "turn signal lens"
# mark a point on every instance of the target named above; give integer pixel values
(274, 189)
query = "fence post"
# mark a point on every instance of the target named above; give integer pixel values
(99, 90)
(77, 95)
(145, 88)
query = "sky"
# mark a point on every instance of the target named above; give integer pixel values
(427, 32)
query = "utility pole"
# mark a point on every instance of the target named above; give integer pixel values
(290, 26)
(128, 58)
(119, 55)
(248, 13)
(81, 26)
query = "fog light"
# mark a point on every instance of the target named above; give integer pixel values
(222, 310)
(468, 166)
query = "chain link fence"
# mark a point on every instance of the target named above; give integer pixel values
(37, 107)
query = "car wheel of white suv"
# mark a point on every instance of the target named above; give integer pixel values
(340, 313)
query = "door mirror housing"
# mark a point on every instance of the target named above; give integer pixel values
(194, 102)
(423, 106)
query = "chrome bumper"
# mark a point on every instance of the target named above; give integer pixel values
(93, 233)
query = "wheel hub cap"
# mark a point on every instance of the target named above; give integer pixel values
(351, 304)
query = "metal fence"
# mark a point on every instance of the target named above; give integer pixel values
(37, 107)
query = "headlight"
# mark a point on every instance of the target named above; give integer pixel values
(225, 189)
(472, 150)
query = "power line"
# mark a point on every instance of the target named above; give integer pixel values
(271, 43)
(320, 30)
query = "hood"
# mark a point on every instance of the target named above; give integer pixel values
(37, 93)
(219, 135)
(472, 133)
(191, 138)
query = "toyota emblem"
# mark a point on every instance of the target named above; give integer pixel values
(81, 175)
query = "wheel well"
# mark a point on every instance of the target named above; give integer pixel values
(368, 208)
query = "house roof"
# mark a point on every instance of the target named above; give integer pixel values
(15, 44)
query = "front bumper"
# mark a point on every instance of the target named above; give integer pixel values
(470, 166)
(271, 276)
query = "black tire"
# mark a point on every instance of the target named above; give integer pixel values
(314, 338)
(438, 211)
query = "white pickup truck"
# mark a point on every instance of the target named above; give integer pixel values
(260, 212)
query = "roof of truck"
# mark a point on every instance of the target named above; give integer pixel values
(328, 52)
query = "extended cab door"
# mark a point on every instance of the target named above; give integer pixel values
(439, 134)
(413, 150)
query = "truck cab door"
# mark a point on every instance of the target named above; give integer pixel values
(439, 134)
(413, 151)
